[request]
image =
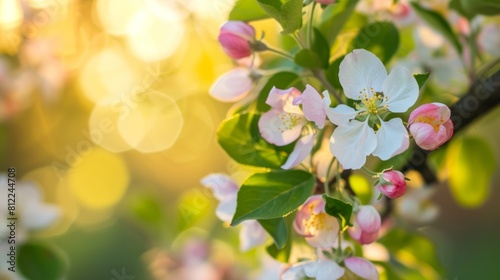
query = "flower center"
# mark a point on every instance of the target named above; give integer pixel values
(373, 104)
(289, 121)
(434, 122)
(317, 222)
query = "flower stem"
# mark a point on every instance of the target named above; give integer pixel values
(282, 53)
(310, 30)
(321, 77)
(369, 171)
(327, 177)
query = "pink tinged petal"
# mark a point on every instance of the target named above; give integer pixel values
(300, 152)
(341, 115)
(321, 270)
(313, 106)
(283, 99)
(281, 128)
(226, 209)
(448, 125)
(361, 71)
(223, 187)
(325, 235)
(351, 143)
(428, 111)
(393, 184)
(362, 268)
(232, 86)
(427, 137)
(313, 205)
(235, 38)
(251, 235)
(368, 219)
(401, 89)
(392, 139)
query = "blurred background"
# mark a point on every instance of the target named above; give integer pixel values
(104, 106)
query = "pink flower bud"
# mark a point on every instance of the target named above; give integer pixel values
(392, 184)
(362, 268)
(235, 38)
(366, 225)
(430, 125)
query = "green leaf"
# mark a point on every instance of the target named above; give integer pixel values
(439, 24)
(332, 73)
(239, 136)
(381, 38)
(247, 10)
(458, 6)
(421, 79)
(415, 252)
(281, 80)
(334, 18)
(481, 7)
(40, 262)
(277, 229)
(471, 163)
(283, 254)
(272, 195)
(287, 12)
(321, 48)
(307, 59)
(338, 209)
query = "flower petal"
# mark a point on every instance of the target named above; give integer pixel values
(368, 219)
(341, 115)
(326, 236)
(329, 270)
(401, 89)
(281, 128)
(226, 209)
(283, 99)
(251, 235)
(392, 139)
(361, 71)
(313, 106)
(362, 268)
(223, 187)
(232, 86)
(300, 152)
(352, 142)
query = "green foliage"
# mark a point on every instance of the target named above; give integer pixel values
(239, 136)
(277, 229)
(471, 163)
(437, 21)
(480, 7)
(287, 12)
(281, 80)
(414, 254)
(272, 195)
(338, 209)
(247, 10)
(334, 18)
(458, 6)
(332, 73)
(147, 208)
(319, 54)
(421, 79)
(381, 38)
(40, 262)
(283, 254)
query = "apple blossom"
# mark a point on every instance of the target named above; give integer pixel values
(285, 122)
(225, 190)
(236, 37)
(361, 130)
(319, 229)
(362, 268)
(392, 184)
(416, 206)
(366, 225)
(320, 270)
(430, 125)
(232, 86)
